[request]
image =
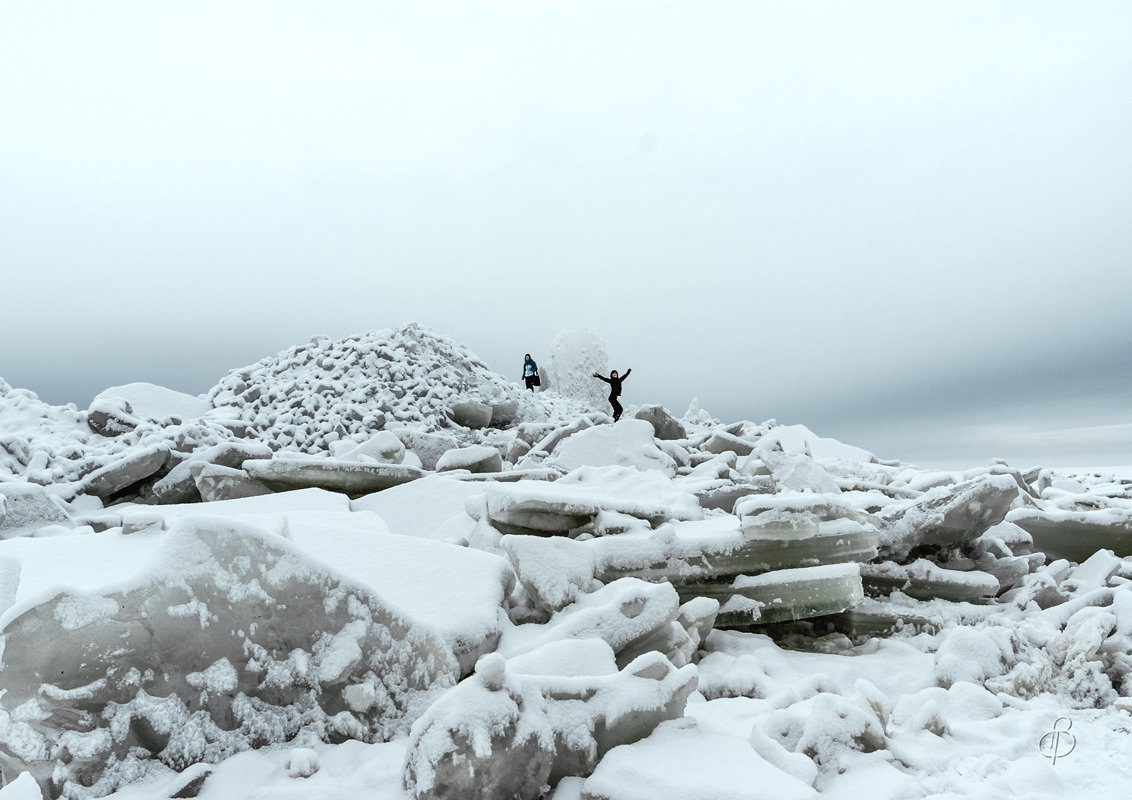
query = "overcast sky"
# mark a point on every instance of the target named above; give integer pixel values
(906, 225)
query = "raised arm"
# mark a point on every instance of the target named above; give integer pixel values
(601, 377)
(626, 375)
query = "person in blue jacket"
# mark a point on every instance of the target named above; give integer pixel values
(530, 372)
(614, 390)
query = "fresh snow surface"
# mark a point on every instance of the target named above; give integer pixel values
(553, 627)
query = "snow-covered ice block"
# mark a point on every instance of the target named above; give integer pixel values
(122, 408)
(1093, 573)
(945, 516)
(458, 592)
(221, 637)
(800, 439)
(505, 734)
(794, 472)
(215, 482)
(24, 507)
(132, 468)
(972, 655)
(429, 447)
(1076, 535)
(786, 594)
(924, 580)
(630, 443)
(430, 508)
(478, 458)
(721, 441)
(724, 494)
(825, 727)
(179, 484)
(383, 447)
(718, 548)
(622, 613)
(664, 425)
(554, 570)
(471, 414)
(546, 445)
(588, 500)
(574, 356)
(681, 760)
(349, 477)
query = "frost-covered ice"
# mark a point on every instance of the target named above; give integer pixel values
(499, 593)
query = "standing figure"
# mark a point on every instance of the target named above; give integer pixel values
(530, 372)
(614, 390)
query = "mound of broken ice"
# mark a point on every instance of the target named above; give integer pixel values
(550, 604)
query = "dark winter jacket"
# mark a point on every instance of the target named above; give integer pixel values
(614, 383)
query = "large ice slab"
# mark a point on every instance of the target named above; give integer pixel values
(458, 592)
(627, 614)
(776, 532)
(505, 734)
(629, 443)
(924, 580)
(588, 500)
(946, 515)
(431, 508)
(349, 477)
(786, 594)
(1076, 535)
(226, 638)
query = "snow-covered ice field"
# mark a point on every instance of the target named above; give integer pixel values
(372, 567)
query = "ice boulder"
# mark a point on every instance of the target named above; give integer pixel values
(222, 639)
(122, 408)
(507, 734)
(429, 447)
(476, 459)
(471, 414)
(629, 443)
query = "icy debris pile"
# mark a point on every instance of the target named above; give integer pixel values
(325, 391)
(56, 447)
(1066, 631)
(428, 389)
(227, 640)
